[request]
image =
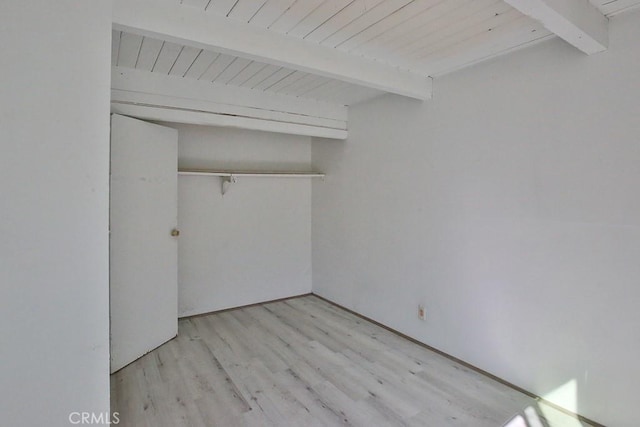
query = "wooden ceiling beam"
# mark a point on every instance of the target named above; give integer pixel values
(576, 21)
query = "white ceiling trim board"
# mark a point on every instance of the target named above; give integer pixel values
(616, 7)
(160, 97)
(186, 104)
(171, 115)
(576, 21)
(142, 81)
(192, 27)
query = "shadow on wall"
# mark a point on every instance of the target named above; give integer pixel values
(194, 163)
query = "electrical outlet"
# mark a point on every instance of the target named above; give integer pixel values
(422, 315)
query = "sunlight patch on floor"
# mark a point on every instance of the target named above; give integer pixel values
(543, 414)
(565, 396)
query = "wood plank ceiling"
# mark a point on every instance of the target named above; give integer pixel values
(428, 37)
(425, 36)
(157, 56)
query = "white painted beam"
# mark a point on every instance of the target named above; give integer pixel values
(171, 115)
(156, 96)
(576, 21)
(168, 20)
(141, 98)
(128, 79)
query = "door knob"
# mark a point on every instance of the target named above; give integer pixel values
(175, 232)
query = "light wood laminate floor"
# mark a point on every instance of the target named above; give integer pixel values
(305, 362)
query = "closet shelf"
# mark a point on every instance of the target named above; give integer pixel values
(227, 173)
(229, 177)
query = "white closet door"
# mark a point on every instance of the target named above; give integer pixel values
(143, 251)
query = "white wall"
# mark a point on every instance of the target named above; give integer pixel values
(510, 206)
(253, 244)
(54, 131)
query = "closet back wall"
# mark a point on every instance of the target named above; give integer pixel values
(254, 243)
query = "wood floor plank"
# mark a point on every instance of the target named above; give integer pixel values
(351, 412)
(305, 393)
(306, 362)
